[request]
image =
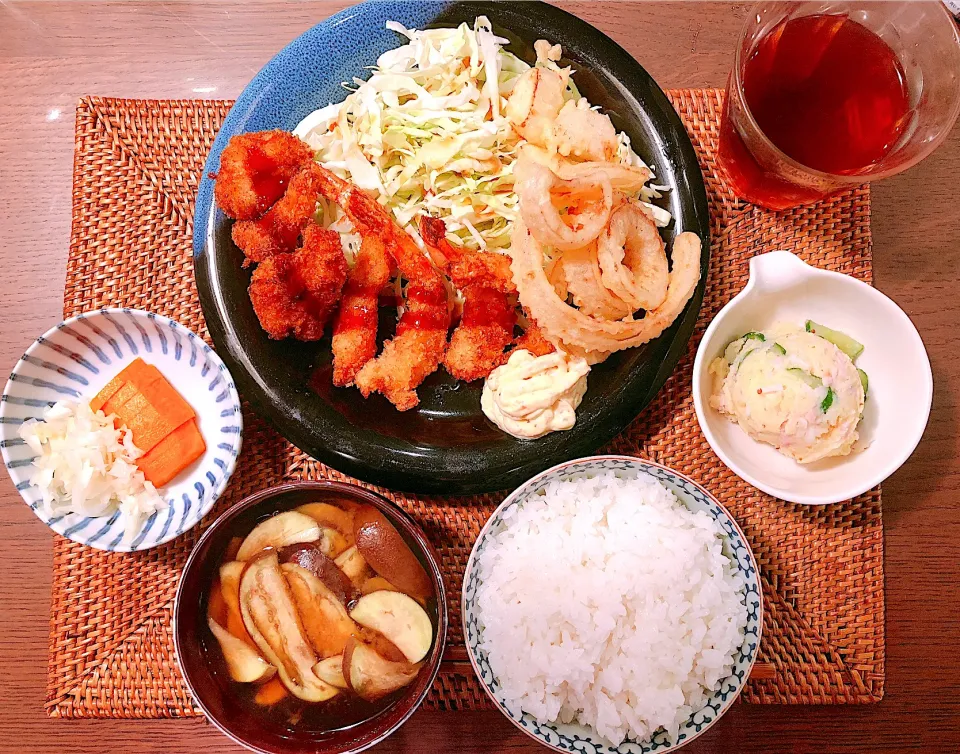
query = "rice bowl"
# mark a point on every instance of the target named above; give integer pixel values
(568, 569)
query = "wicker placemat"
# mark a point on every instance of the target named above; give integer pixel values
(111, 653)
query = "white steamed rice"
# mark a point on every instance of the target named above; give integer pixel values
(607, 601)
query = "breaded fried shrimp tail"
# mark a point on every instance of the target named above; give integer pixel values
(415, 352)
(355, 327)
(486, 328)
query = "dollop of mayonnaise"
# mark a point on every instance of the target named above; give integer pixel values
(530, 396)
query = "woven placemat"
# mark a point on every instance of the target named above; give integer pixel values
(111, 653)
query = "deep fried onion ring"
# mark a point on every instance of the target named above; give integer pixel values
(632, 258)
(539, 188)
(577, 333)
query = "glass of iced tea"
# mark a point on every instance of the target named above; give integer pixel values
(824, 96)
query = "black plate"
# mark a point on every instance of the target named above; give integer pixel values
(445, 445)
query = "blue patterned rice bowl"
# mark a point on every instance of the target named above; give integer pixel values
(575, 737)
(72, 361)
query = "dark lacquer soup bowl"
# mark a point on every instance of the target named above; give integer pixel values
(345, 723)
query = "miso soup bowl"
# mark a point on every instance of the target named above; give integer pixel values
(213, 690)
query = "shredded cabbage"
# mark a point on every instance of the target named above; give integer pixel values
(86, 465)
(427, 132)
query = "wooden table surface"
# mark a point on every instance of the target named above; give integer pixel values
(51, 53)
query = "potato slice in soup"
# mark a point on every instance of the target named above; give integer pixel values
(352, 563)
(331, 671)
(230, 574)
(326, 514)
(377, 584)
(243, 663)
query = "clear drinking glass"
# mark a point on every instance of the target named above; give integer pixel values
(923, 37)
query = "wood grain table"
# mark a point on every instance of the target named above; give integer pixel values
(51, 53)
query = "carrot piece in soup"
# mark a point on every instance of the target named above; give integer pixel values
(236, 627)
(217, 605)
(172, 454)
(271, 692)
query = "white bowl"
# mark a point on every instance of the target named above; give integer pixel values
(574, 737)
(74, 360)
(784, 288)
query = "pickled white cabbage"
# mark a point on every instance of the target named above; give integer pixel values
(86, 465)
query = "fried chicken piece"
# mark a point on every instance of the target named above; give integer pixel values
(355, 328)
(295, 293)
(279, 230)
(254, 171)
(478, 343)
(421, 340)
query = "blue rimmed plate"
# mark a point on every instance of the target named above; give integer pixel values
(445, 445)
(581, 739)
(78, 357)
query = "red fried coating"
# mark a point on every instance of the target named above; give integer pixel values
(465, 266)
(295, 293)
(254, 171)
(533, 340)
(355, 328)
(279, 230)
(416, 351)
(486, 327)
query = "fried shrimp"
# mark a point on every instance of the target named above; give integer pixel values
(416, 351)
(421, 339)
(278, 231)
(254, 171)
(295, 293)
(478, 344)
(486, 326)
(355, 328)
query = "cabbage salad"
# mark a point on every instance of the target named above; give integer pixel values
(427, 131)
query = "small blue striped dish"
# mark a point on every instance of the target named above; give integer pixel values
(78, 357)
